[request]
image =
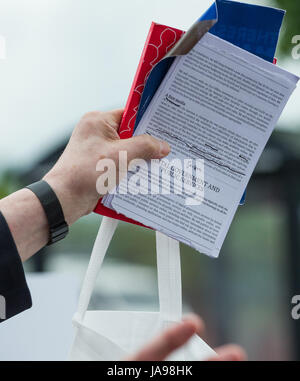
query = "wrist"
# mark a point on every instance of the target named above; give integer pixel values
(71, 198)
(58, 228)
(18, 209)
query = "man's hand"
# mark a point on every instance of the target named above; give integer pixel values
(96, 137)
(74, 178)
(177, 336)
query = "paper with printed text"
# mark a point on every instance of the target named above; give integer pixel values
(218, 104)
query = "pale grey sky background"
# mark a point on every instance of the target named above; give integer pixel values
(67, 57)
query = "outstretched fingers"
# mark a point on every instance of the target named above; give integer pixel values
(169, 341)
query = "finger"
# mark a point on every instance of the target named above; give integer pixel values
(174, 338)
(113, 118)
(230, 353)
(201, 326)
(144, 147)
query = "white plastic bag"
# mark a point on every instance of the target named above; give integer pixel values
(113, 336)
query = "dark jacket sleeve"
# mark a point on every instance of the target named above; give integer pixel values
(14, 293)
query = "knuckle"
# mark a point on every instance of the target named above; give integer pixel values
(92, 115)
(150, 144)
(88, 124)
(91, 119)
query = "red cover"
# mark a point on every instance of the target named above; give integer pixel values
(160, 40)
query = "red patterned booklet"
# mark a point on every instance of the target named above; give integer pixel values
(160, 40)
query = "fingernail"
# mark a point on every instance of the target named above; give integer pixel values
(164, 148)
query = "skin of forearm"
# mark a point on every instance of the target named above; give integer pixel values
(27, 222)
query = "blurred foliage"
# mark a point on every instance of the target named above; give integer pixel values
(9, 183)
(291, 25)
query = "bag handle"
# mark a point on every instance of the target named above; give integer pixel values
(169, 278)
(168, 265)
(104, 237)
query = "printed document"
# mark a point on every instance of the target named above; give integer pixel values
(219, 105)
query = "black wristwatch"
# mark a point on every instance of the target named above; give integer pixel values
(58, 228)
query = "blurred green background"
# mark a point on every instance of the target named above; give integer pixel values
(245, 296)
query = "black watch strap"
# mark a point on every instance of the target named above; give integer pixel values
(58, 228)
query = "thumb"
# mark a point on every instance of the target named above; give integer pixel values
(144, 147)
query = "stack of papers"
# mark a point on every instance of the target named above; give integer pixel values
(218, 105)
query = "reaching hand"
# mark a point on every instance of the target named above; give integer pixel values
(177, 336)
